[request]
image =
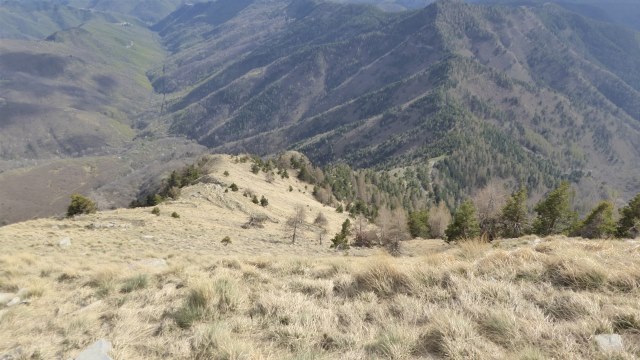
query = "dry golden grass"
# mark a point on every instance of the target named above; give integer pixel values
(262, 298)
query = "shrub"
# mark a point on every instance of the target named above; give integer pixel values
(225, 173)
(226, 241)
(80, 205)
(175, 215)
(156, 211)
(320, 220)
(255, 168)
(290, 188)
(174, 192)
(465, 223)
(153, 200)
(254, 199)
(255, 221)
(263, 201)
(367, 238)
(233, 187)
(340, 209)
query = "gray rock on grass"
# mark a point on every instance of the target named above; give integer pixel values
(609, 342)
(15, 301)
(64, 243)
(99, 350)
(5, 298)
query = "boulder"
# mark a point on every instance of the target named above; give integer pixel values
(15, 354)
(99, 350)
(151, 263)
(15, 301)
(609, 342)
(6, 298)
(64, 243)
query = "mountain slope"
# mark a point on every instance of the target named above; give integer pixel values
(71, 109)
(620, 12)
(37, 19)
(541, 92)
(78, 92)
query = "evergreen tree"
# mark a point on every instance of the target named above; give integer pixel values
(341, 240)
(419, 224)
(629, 224)
(555, 215)
(598, 224)
(465, 223)
(514, 217)
(80, 205)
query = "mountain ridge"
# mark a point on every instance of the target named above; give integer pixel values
(262, 91)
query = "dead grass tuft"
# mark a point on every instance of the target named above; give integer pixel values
(134, 283)
(196, 306)
(626, 322)
(499, 326)
(384, 280)
(445, 329)
(390, 344)
(568, 306)
(584, 274)
(473, 248)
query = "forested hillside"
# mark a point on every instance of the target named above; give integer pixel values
(529, 95)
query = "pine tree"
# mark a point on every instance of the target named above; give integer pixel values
(514, 218)
(419, 224)
(629, 224)
(341, 240)
(598, 224)
(465, 223)
(555, 215)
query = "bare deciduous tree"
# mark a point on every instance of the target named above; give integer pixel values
(295, 222)
(439, 219)
(321, 223)
(323, 195)
(269, 177)
(489, 202)
(393, 228)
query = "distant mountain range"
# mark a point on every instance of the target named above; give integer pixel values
(457, 94)
(529, 92)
